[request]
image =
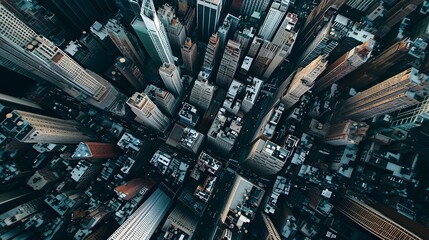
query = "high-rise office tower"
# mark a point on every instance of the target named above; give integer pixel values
(127, 43)
(379, 219)
(250, 6)
(274, 18)
(189, 56)
(163, 99)
(80, 14)
(266, 157)
(396, 58)
(229, 64)
(212, 50)
(412, 117)
(171, 77)
(38, 17)
(361, 5)
(152, 34)
(343, 66)
(285, 39)
(147, 112)
(255, 46)
(176, 32)
(35, 128)
(126, 10)
(303, 81)
(208, 14)
(345, 133)
(323, 43)
(131, 72)
(36, 54)
(267, 230)
(202, 94)
(395, 14)
(182, 7)
(398, 92)
(265, 55)
(145, 220)
(96, 150)
(223, 32)
(244, 37)
(189, 20)
(317, 16)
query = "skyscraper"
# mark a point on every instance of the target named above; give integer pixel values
(398, 92)
(176, 32)
(250, 6)
(80, 14)
(285, 39)
(189, 56)
(35, 128)
(126, 42)
(380, 220)
(212, 50)
(361, 5)
(264, 57)
(273, 19)
(266, 157)
(147, 112)
(346, 132)
(343, 66)
(229, 64)
(131, 72)
(303, 81)
(144, 221)
(208, 14)
(171, 77)
(413, 116)
(323, 43)
(395, 14)
(398, 57)
(152, 34)
(202, 94)
(163, 99)
(34, 53)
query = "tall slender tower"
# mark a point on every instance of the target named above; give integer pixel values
(152, 34)
(263, 59)
(274, 18)
(229, 64)
(323, 43)
(212, 50)
(284, 39)
(343, 66)
(35, 128)
(147, 112)
(398, 92)
(176, 32)
(250, 6)
(34, 53)
(303, 81)
(378, 219)
(189, 56)
(171, 77)
(208, 14)
(398, 57)
(127, 44)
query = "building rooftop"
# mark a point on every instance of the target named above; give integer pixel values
(226, 126)
(232, 101)
(189, 114)
(275, 150)
(252, 90)
(128, 141)
(247, 62)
